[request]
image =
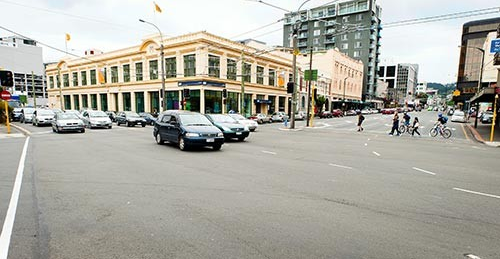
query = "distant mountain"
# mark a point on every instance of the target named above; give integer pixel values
(443, 89)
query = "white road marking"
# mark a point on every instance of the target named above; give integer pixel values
(341, 166)
(349, 121)
(11, 211)
(478, 193)
(471, 256)
(423, 171)
(41, 132)
(366, 144)
(12, 135)
(375, 153)
(388, 125)
(268, 152)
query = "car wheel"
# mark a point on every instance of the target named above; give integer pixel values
(217, 147)
(82, 130)
(182, 144)
(144, 125)
(158, 139)
(109, 127)
(53, 129)
(117, 123)
(241, 139)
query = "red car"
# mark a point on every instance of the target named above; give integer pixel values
(388, 111)
(337, 113)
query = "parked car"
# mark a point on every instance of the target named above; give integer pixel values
(351, 113)
(150, 119)
(300, 115)
(252, 125)
(130, 119)
(325, 114)
(450, 112)
(42, 117)
(337, 113)
(75, 112)
(57, 110)
(111, 115)
(229, 126)
(260, 118)
(388, 111)
(187, 129)
(96, 119)
(487, 117)
(16, 114)
(27, 115)
(279, 116)
(458, 116)
(67, 122)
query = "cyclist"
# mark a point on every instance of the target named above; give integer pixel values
(406, 119)
(442, 120)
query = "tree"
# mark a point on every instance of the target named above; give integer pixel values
(2, 111)
(320, 102)
(422, 96)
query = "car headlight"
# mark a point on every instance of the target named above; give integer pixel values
(220, 134)
(246, 128)
(189, 135)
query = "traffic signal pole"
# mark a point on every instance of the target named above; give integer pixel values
(309, 101)
(294, 94)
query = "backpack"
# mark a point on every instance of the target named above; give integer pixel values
(445, 119)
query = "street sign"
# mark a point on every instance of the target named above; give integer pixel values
(495, 46)
(5, 95)
(456, 93)
(308, 76)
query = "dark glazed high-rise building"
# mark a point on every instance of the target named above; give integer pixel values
(474, 35)
(351, 26)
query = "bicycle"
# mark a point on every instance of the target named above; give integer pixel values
(441, 129)
(405, 128)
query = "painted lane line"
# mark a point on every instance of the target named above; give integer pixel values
(375, 153)
(268, 152)
(471, 256)
(341, 166)
(478, 193)
(366, 144)
(423, 171)
(8, 224)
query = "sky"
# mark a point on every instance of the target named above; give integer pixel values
(113, 24)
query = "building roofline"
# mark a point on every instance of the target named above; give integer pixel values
(482, 22)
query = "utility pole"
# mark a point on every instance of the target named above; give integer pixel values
(33, 87)
(294, 61)
(309, 102)
(60, 87)
(242, 96)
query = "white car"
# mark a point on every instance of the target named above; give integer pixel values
(251, 124)
(458, 116)
(279, 116)
(96, 119)
(42, 117)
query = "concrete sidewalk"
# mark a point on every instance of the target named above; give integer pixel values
(482, 133)
(14, 132)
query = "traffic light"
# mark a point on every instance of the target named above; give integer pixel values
(315, 94)
(6, 78)
(224, 93)
(289, 87)
(186, 93)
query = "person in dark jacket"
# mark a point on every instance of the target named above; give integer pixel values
(416, 124)
(395, 124)
(361, 118)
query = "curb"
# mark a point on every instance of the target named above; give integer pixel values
(23, 130)
(479, 138)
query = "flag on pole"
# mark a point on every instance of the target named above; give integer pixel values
(68, 37)
(102, 80)
(157, 7)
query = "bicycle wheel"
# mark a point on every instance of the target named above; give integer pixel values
(446, 133)
(410, 131)
(434, 132)
(402, 129)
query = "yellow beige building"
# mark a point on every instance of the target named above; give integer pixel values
(202, 65)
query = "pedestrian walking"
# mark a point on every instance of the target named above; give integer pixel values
(416, 124)
(361, 118)
(395, 124)
(285, 121)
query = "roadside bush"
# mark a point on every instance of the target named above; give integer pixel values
(2, 111)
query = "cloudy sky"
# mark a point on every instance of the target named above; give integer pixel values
(113, 24)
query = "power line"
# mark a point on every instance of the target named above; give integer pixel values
(259, 28)
(496, 9)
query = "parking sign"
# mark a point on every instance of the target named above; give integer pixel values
(495, 46)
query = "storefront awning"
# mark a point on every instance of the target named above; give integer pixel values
(486, 95)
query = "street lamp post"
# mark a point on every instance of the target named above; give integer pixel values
(479, 81)
(164, 97)
(343, 99)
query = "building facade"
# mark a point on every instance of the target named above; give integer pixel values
(474, 36)
(24, 58)
(402, 80)
(130, 79)
(352, 26)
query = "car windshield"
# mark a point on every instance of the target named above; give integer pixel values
(28, 110)
(237, 117)
(72, 112)
(194, 120)
(132, 114)
(67, 116)
(97, 114)
(45, 112)
(222, 118)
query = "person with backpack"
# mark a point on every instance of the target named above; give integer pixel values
(406, 118)
(361, 118)
(416, 124)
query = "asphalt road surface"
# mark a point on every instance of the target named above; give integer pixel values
(321, 192)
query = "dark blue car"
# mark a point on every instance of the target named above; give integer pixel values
(187, 129)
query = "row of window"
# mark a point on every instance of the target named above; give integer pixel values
(170, 72)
